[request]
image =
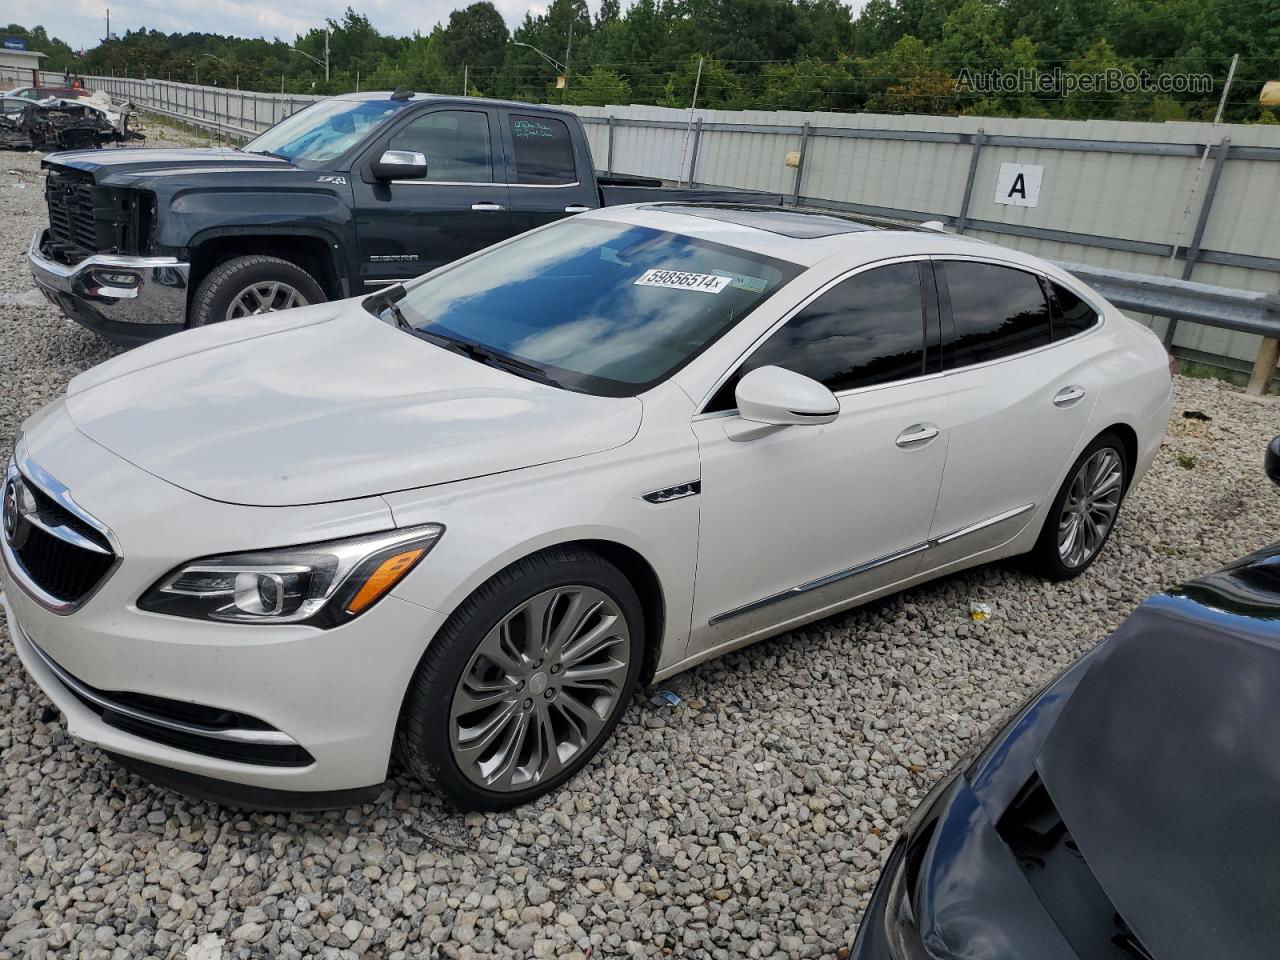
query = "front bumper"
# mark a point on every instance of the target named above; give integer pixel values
(335, 693)
(128, 300)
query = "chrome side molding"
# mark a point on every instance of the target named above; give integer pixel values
(869, 565)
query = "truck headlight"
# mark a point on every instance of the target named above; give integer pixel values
(320, 584)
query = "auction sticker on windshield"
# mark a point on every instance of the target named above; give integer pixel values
(679, 280)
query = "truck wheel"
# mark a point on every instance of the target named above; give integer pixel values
(247, 286)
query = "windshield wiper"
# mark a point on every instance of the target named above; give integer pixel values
(269, 153)
(386, 303)
(492, 358)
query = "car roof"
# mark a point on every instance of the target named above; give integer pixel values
(798, 223)
(801, 235)
(422, 97)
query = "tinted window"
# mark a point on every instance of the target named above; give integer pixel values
(1071, 315)
(455, 143)
(602, 308)
(544, 150)
(867, 330)
(998, 311)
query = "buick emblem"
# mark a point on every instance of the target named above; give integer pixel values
(18, 505)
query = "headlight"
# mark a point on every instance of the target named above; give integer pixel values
(320, 584)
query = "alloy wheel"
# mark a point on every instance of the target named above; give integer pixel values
(1090, 509)
(266, 297)
(540, 688)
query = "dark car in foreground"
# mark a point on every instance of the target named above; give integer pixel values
(351, 195)
(1128, 811)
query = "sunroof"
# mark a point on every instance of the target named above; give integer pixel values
(797, 224)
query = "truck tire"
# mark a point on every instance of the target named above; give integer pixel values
(246, 286)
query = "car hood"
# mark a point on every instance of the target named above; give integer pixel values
(103, 163)
(1164, 765)
(328, 403)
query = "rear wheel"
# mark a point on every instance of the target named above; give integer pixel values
(1084, 512)
(525, 682)
(248, 286)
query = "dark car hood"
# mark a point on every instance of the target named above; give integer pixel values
(1165, 766)
(102, 163)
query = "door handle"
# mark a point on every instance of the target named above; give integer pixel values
(488, 207)
(915, 434)
(1067, 396)
(576, 208)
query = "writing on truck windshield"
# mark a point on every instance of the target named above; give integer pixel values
(604, 308)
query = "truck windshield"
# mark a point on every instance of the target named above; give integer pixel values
(604, 308)
(324, 130)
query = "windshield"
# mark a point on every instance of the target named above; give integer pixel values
(324, 130)
(598, 307)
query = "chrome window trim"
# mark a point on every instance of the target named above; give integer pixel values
(703, 413)
(870, 565)
(275, 738)
(37, 476)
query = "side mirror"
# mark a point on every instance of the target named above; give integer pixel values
(400, 165)
(777, 396)
(1272, 460)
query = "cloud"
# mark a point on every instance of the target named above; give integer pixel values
(83, 22)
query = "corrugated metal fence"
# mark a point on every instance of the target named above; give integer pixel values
(1184, 200)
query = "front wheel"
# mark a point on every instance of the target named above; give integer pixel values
(525, 682)
(248, 286)
(1084, 512)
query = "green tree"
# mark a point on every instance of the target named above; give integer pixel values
(600, 87)
(477, 37)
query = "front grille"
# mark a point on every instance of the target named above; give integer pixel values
(73, 229)
(58, 551)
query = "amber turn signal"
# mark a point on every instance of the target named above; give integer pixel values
(386, 576)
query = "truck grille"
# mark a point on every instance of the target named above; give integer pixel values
(73, 231)
(54, 549)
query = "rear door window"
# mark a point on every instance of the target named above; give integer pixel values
(544, 150)
(996, 311)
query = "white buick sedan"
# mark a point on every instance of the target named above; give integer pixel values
(461, 521)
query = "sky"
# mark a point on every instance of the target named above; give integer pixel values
(82, 23)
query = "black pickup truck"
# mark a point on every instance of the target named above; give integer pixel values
(351, 194)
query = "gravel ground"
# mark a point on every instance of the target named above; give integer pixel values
(750, 821)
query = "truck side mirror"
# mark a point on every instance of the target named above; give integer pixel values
(400, 165)
(1272, 460)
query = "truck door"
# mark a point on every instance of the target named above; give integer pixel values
(407, 227)
(549, 170)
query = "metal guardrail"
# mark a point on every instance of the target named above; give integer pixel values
(1246, 311)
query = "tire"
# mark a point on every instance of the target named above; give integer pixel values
(437, 739)
(218, 293)
(1049, 557)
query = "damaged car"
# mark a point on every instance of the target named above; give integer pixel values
(1126, 811)
(57, 124)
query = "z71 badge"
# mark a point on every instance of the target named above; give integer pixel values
(341, 181)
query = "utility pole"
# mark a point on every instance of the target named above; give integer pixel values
(568, 49)
(326, 54)
(465, 75)
(108, 36)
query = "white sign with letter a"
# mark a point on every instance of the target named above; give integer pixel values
(1019, 184)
